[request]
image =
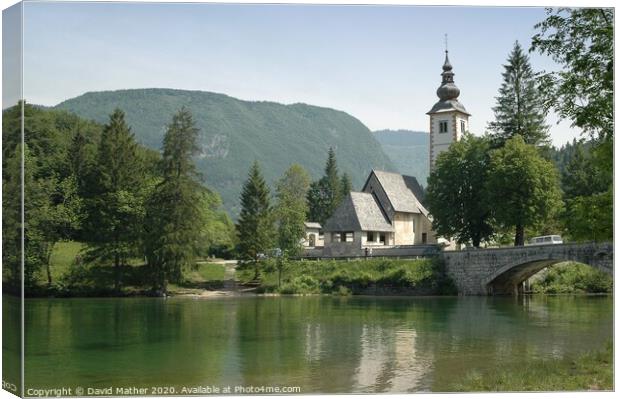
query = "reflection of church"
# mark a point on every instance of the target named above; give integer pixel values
(387, 212)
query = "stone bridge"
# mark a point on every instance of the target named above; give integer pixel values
(500, 271)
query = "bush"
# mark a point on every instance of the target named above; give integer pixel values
(572, 278)
(333, 276)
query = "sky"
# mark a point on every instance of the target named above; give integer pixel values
(381, 64)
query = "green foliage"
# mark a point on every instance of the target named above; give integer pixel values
(235, 132)
(457, 194)
(255, 226)
(176, 209)
(345, 184)
(115, 206)
(581, 40)
(526, 186)
(518, 110)
(590, 217)
(218, 236)
(572, 278)
(291, 209)
(328, 276)
(325, 194)
(590, 371)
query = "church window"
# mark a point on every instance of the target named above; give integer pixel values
(370, 236)
(462, 126)
(443, 126)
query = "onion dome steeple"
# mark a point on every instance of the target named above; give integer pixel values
(447, 90)
(448, 93)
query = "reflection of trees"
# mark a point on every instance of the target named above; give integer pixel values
(490, 332)
(322, 344)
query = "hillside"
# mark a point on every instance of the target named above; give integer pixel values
(234, 133)
(408, 151)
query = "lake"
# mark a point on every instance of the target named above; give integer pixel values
(319, 344)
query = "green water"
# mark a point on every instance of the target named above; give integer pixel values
(320, 344)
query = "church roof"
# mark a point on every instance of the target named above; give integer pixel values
(448, 105)
(358, 212)
(402, 191)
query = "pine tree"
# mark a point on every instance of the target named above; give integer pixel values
(333, 180)
(115, 210)
(519, 104)
(291, 209)
(325, 195)
(174, 218)
(346, 185)
(255, 226)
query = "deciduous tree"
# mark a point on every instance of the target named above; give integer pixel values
(457, 193)
(523, 187)
(291, 209)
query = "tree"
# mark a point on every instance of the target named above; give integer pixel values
(457, 194)
(174, 216)
(325, 195)
(519, 110)
(291, 209)
(345, 183)
(115, 208)
(582, 40)
(523, 185)
(255, 226)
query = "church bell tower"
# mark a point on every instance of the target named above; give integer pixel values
(448, 118)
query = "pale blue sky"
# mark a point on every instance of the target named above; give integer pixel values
(379, 63)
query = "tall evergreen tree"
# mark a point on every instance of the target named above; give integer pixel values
(255, 226)
(345, 183)
(325, 194)
(291, 208)
(174, 218)
(115, 209)
(519, 104)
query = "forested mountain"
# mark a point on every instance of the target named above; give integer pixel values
(408, 150)
(235, 133)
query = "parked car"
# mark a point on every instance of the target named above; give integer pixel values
(545, 240)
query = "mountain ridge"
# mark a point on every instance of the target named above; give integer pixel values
(236, 132)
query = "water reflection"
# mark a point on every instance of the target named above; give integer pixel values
(321, 344)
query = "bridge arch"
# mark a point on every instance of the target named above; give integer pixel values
(496, 271)
(507, 278)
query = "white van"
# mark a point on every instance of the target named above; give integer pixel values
(545, 240)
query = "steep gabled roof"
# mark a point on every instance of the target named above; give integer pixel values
(402, 191)
(358, 212)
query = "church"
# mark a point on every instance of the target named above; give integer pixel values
(388, 213)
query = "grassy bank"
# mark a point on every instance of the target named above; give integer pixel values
(73, 277)
(590, 371)
(572, 278)
(374, 276)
